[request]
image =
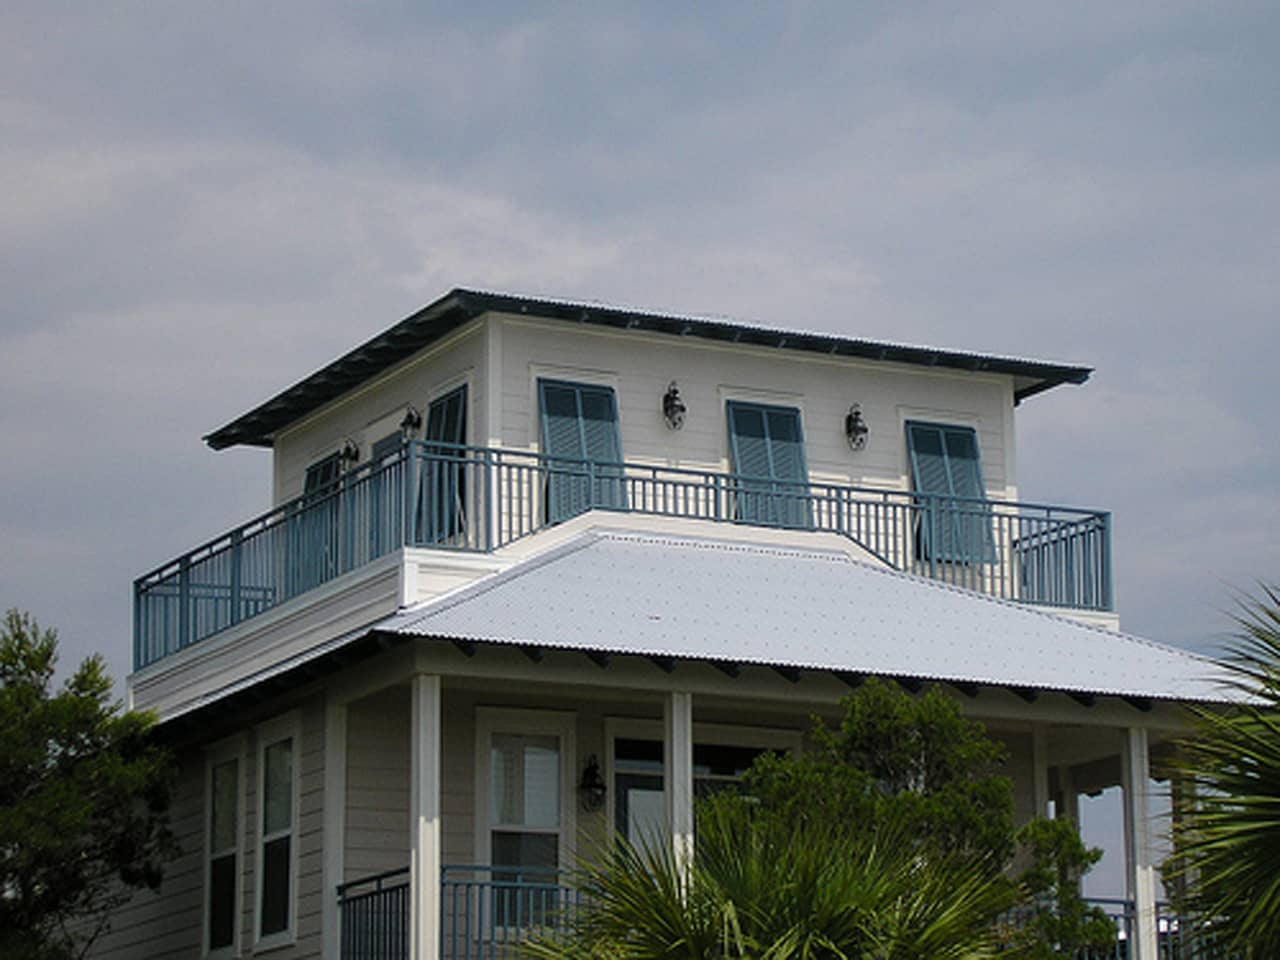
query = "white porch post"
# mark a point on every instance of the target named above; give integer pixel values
(1040, 770)
(677, 758)
(335, 810)
(424, 817)
(1140, 874)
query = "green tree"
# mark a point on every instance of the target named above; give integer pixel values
(84, 791)
(917, 761)
(1057, 921)
(1227, 817)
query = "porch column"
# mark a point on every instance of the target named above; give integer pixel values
(424, 819)
(1040, 770)
(335, 810)
(1135, 772)
(677, 757)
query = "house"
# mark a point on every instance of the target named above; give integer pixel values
(535, 569)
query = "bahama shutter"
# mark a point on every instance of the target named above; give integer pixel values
(580, 438)
(768, 456)
(442, 498)
(954, 524)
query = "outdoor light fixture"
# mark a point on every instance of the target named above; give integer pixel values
(591, 788)
(673, 408)
(412, 421)
(856, 429)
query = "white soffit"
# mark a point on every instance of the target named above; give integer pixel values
(665, 596)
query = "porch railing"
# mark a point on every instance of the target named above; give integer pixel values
(486, 912)
(480, 499)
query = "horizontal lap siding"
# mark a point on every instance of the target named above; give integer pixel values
(641, 366)
(167, 924)
(377, 812)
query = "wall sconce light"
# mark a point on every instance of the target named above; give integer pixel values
(350, 453)
(673, 408)
(591, 789)
(412, 422)
(855, 428)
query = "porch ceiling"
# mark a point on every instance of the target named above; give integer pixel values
(671, 598)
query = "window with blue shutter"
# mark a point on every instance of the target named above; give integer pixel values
(442, 499)
(768, 458)
(580, 438)
(955, 522)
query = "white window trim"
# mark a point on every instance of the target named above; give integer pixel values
(217, 754)
(720, 734)
(286, 727)
(560, 723)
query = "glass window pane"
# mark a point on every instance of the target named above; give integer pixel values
(277, 771)
(539, 850)
(222, 818)
(525, 780)
(222, 901)
(275, 886)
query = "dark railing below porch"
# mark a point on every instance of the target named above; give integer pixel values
(479, 499)
(486, 912)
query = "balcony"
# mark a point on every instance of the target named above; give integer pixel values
(476, 499)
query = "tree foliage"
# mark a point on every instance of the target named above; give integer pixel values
(1227, 818)
(84, 792)
(915, 761)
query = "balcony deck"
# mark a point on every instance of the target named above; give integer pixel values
(480, 499)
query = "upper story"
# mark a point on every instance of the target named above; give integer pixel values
(485, 425)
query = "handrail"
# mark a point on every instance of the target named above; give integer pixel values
(480, 499)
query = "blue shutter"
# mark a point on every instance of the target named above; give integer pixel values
(952, 525)
(580, 434)
(442, 494)
(768, 455)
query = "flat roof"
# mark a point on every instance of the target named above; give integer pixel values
(259, 426)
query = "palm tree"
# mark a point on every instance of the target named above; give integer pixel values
(810, 893)
(1227, 824)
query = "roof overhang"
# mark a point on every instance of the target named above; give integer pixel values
(259, 426)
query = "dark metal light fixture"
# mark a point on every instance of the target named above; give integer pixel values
(412, 421)
(592, 788)
(856, 429)
(673, 408)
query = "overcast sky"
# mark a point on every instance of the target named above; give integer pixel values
(203, 203)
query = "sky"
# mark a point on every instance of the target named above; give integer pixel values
(203, 203)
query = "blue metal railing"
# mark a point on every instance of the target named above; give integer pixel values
(485, 912)
(481, 499)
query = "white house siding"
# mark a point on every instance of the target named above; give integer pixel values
(375, 409)
(168, 924)
(377, 811)
(641, 365)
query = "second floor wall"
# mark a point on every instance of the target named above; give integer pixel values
(492, 369)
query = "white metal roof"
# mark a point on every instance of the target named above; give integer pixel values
(665, 596)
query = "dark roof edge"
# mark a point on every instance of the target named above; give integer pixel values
(374, 356)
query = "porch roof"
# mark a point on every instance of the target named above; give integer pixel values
(674, 598)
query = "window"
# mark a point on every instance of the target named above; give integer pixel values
(314, 531)
(954, 523)
(442, 501)
(277, 818)
(721, 755)
(525, 794)
(386, 509)
(767, 446)
(222, 873)
(580, 434)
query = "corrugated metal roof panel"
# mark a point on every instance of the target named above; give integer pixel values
(710, 600)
